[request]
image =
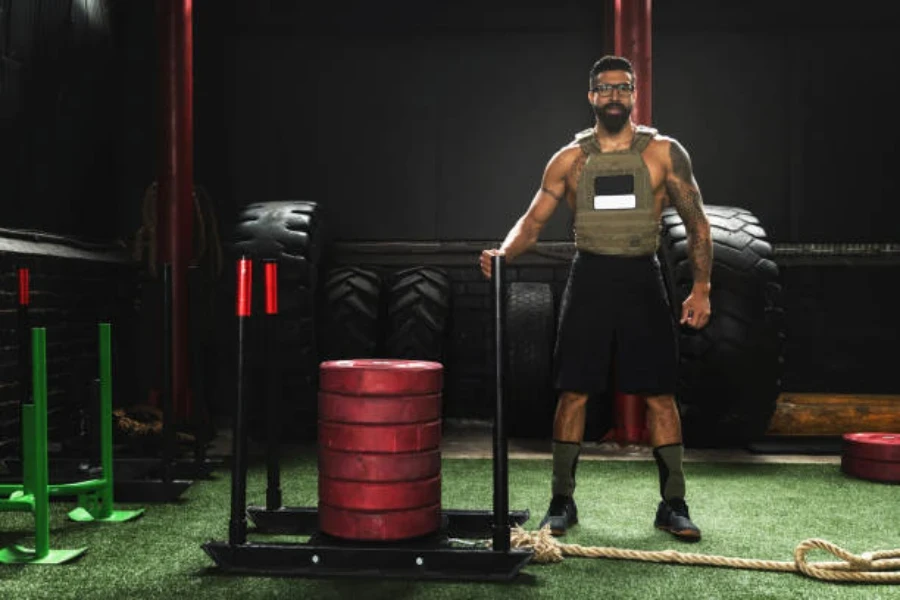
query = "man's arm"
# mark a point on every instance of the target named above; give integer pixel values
(684, 194)
(524, 234)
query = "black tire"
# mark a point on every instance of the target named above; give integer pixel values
(418, 307)
(351, 314)
(530, 328)
(287, 230)
(729, 371)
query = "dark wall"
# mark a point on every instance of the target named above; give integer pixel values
(438, 125)
(783, 109)
(58, 107)
(406, 126)
(441, 118)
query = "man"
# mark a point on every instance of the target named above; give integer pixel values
(617, 177)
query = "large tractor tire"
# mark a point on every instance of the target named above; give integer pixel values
(530, 328)
(351, 314)
(729, 371)
(418, 307)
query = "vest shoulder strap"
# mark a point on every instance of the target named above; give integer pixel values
(585, 138)
(642, 137)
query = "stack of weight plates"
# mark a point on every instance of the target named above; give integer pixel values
(379, 448)
(872, 456)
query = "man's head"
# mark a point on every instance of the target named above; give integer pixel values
(611, 91)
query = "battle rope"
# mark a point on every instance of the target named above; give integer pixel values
(208, 247)
(869, 567)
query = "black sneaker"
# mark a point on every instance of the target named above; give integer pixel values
(673, 516)
(561, 515)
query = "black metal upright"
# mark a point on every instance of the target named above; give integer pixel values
(237, 530)
(201, 466)
(168, 425)
(273, 386)
(501, 472)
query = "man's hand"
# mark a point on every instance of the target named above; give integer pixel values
(695, 310)
(486, 256)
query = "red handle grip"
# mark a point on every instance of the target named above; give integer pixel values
(271, 288)
(24, 296)
(244, 281)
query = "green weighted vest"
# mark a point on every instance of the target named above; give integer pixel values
(614, 199)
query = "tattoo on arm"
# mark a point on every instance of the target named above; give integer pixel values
(685, 195)
(681, 163)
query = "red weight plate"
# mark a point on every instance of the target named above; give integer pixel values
(379, 526)
(873, 446)
(875, 470)
(379, 409)
(379, 438)
(366, 466)
(365, 495)
(381, 377)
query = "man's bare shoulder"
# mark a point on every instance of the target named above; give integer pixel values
(567, 155)
(666, 145)
(661, 142)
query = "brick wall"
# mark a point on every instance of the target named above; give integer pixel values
(73, 288)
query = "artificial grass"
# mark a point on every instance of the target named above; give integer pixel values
(745, 510)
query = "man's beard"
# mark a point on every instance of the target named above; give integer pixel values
(613, 123)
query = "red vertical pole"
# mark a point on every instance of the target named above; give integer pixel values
(175, 177)
(628, 33)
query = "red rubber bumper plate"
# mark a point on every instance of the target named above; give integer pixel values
(379, 438)
(873, 446)
(368, 496)
(379, 409)
(379, 525)
(381, 377)
(365, 466)
(874, 470)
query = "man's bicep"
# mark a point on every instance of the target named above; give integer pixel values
(542, 206)
(551, 192)
(681, 185)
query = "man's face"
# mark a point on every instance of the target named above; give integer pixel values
(612, 105)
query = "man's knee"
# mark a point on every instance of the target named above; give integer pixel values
(572, 400)
(661, 403)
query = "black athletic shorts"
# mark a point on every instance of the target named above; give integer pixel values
(615, 320)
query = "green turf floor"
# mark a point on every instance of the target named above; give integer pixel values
(751, 511)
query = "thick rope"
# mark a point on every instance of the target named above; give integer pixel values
(869, 567)
(207, 243)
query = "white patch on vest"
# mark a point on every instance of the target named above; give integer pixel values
(611, 202)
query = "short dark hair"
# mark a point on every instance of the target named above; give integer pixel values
(610, 63)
